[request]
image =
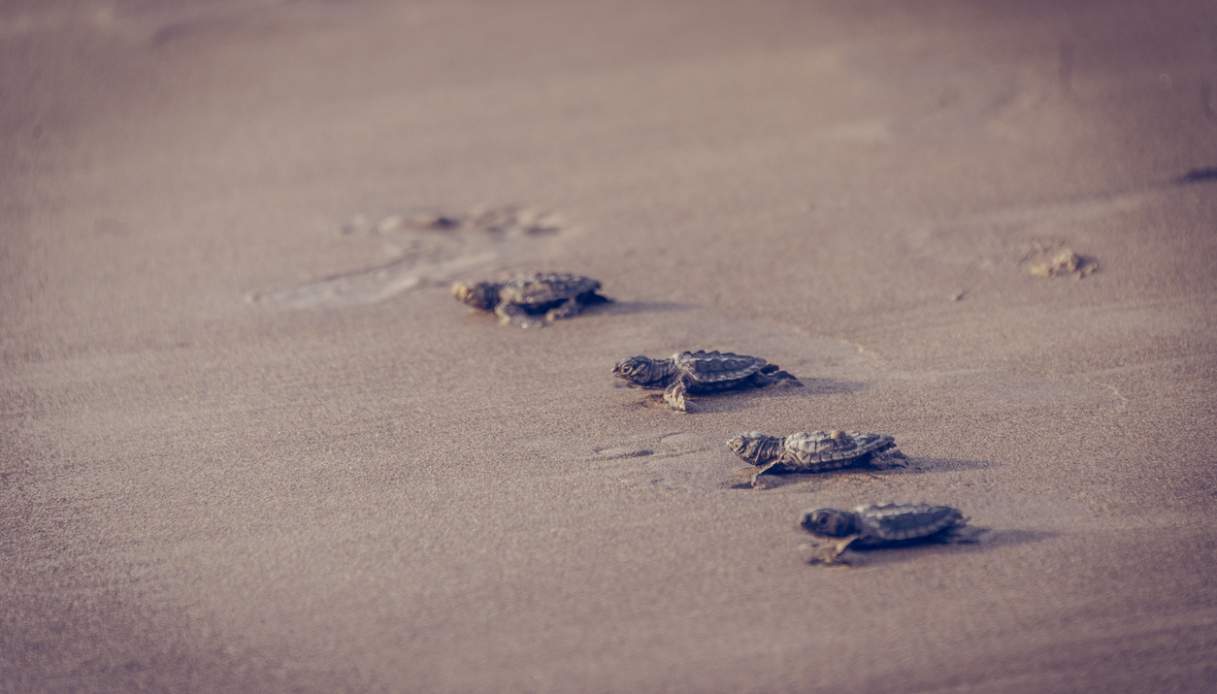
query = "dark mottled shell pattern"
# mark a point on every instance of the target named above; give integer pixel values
(820, 450)
(545, 288)
(718, 367)
(883, 523)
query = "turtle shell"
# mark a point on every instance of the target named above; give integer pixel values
(717, 367)
(815, 448)
(545, 288)
(882, 523)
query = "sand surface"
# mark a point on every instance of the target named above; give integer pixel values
(249, 443)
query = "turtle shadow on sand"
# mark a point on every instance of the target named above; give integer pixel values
(969, 539)
(829, 386)
(742, 476)
(1204, 174)
(626, 308)
(922, 465)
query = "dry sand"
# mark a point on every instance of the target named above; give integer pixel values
(244, 450)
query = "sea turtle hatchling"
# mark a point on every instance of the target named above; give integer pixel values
(517, 300)
(687, 373)
(884, 525)
(815, 451)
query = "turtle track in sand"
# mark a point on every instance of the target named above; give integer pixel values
(427, 247)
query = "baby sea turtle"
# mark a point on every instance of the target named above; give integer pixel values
(815, 451)
(516, 300)
(883, 525)
(699, 372)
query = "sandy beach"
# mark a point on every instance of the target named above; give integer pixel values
(250, 443)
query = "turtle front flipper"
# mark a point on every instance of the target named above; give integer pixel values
(514, 314)
(676, 395)
(829, 552)
(756, 476)
(567, 309)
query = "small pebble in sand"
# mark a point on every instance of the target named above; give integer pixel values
(421, 220)
(1058, 261)
(439, 222)
(429, 220)
(390, 224)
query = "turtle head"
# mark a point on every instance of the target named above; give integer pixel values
(754, 447)
(479, 295)
(830, 522)
(638, 370)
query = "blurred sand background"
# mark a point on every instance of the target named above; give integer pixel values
(248, 442)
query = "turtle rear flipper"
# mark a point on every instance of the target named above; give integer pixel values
(567, 309)
(575, 305)
(593, 298)
(788, 378)
(888, 458)
(772, 374)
